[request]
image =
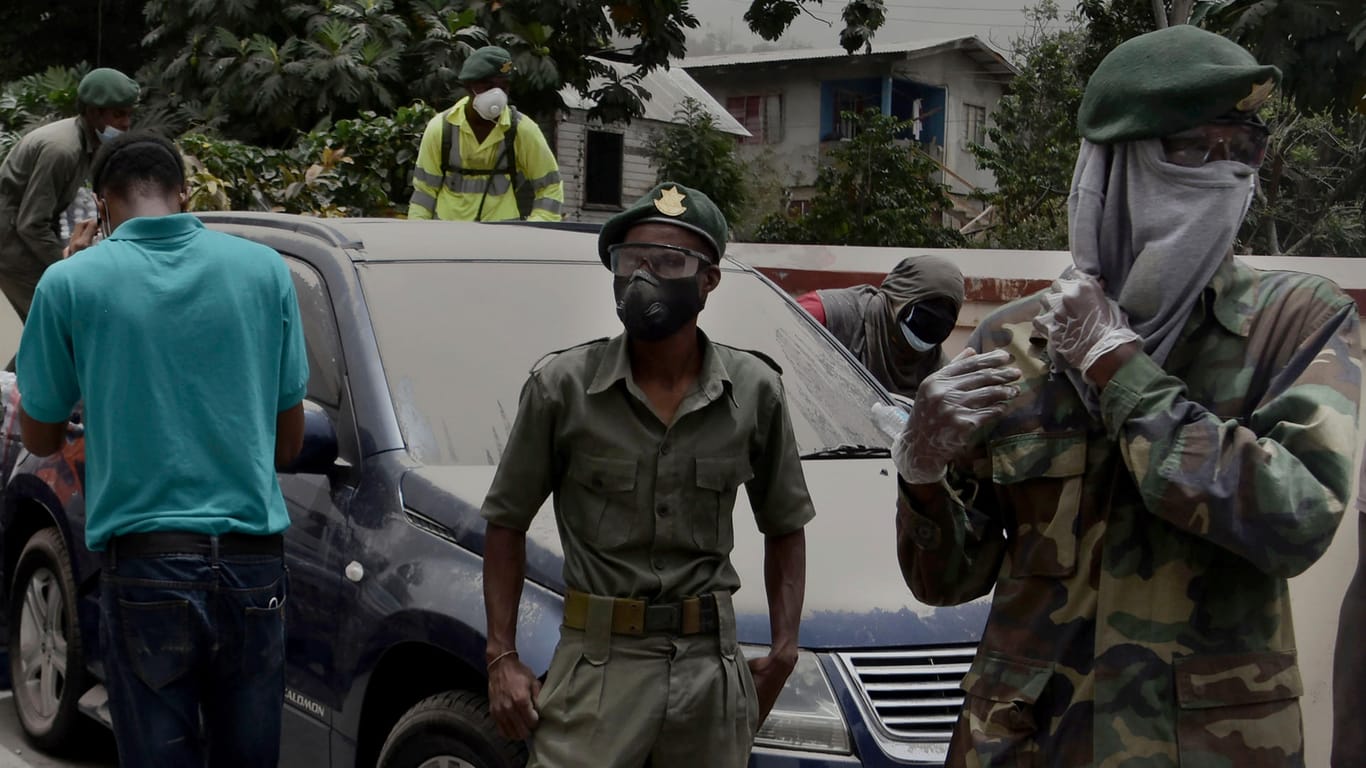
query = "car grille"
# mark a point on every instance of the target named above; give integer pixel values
(914, 694)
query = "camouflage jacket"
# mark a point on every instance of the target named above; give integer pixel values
(1141, 613)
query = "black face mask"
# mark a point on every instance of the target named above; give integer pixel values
(931, 321)
(652, 308)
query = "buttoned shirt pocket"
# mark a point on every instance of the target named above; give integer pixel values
(998, 709)
(600, 505)
(713, 501)
(1041, 477)
(1239, 709)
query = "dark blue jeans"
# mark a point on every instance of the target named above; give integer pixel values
(194, 658)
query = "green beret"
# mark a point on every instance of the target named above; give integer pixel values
(485, 63)
(668, 203)
(1168, 81)
(107, 87)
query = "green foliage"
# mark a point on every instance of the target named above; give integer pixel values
(256, 70)
(875, 189)
(1320, 46)
(1033, 135)
(695, 153)
(38, 34)
(37, 99)
(1310, 202)
(357, 168)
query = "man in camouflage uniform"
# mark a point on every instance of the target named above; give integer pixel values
(1144, 453)
(644, 440)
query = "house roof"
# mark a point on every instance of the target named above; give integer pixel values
(668, 89)
(986, 55)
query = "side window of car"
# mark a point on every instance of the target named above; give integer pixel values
(320, 335)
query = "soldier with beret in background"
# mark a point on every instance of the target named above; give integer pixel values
(1138, 458)
(42, 175)
(644, 440)
(482, 160)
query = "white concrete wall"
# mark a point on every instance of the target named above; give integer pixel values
(637, 170)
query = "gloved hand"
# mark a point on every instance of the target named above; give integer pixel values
(951, 405)
(1081, 323)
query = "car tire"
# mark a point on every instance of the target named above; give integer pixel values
(47, 657)
(450, 730)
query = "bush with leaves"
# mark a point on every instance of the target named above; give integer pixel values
(37, 99)
(694, 152)
(358, 167)
(1308, 203)
(874, 189)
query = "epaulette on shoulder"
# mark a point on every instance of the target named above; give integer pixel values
(547, 357)
(770, 362)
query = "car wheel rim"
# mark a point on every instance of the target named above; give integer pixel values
(42, 649)
(446, 761)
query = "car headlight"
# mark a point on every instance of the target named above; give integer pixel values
(806, 716)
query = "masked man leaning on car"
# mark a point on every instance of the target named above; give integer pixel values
(1179, 445)
(644, 440)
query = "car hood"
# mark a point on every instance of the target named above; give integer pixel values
(855, 594)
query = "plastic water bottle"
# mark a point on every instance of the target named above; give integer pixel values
(890, 419)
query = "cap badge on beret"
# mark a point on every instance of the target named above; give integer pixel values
(1257, 97)
(506, 68)
(670, 202)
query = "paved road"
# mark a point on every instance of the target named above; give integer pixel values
(97, 751)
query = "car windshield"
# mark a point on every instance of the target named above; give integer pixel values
(457, 340)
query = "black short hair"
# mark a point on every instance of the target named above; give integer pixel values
(138, 159)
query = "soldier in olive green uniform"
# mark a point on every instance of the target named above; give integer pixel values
(644, 441)
(43, 172)
(1172, 441)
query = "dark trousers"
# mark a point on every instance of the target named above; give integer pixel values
(194, 658)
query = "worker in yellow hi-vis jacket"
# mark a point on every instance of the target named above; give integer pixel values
(475, 155)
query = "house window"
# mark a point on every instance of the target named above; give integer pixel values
(602, 169)
(761, 115)
(855, 102)
(975, 124)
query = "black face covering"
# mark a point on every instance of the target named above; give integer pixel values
(652, 308)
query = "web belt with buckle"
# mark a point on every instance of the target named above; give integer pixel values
(689, 616)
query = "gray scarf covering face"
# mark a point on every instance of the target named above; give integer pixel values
(1154, 232)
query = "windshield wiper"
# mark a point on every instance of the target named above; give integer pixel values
(850, 452)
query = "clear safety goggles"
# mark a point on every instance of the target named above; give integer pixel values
(665, 261)
(1242, 141)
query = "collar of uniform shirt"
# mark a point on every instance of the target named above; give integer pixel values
(615, 366)
(157, 227)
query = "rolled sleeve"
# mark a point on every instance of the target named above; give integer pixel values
(778, 493)
(293, 354)
(46, 364)
(524, 478)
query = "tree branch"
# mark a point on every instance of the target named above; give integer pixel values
(1160, 14)
(1181, 11)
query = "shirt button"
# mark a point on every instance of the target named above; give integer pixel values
(662, 510)
(658, 564)
(664, 450)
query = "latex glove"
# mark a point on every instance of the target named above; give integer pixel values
(951, 406)
(1081, 323)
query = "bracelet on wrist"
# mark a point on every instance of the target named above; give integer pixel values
(500, 657)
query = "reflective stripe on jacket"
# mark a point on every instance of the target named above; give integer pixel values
(457, 195)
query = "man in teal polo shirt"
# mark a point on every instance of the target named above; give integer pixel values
(186, 348)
